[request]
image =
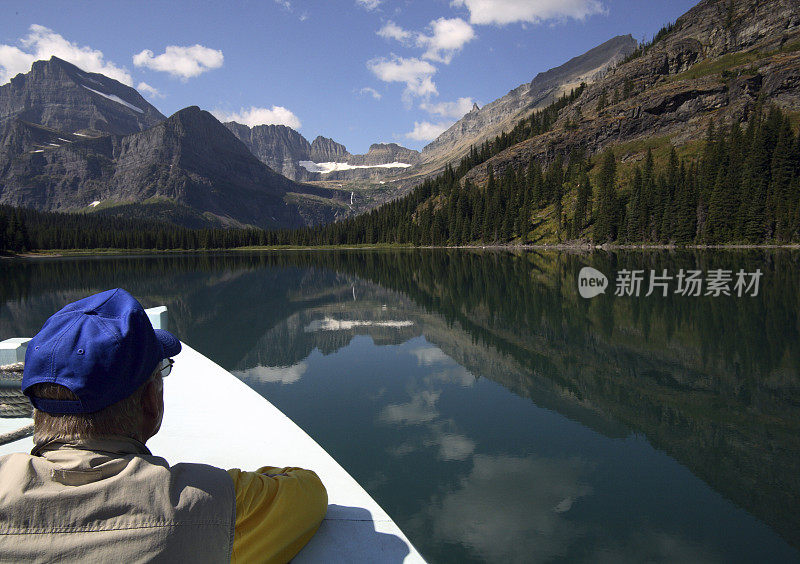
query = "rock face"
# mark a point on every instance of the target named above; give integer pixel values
(721, 58)
(502, 114)
(325, 150)
(60, 96)
(277, 146)
(17, 137)
(722, 27)
(189, 169)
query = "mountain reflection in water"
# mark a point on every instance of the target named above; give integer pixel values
(494, 413)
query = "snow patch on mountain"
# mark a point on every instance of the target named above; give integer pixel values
(114, 99)
(325, 168)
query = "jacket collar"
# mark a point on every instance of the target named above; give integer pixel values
(116, 445)
(82, 462)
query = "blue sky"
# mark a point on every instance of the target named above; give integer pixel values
(359, 71)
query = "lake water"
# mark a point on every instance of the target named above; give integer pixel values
(495, 413)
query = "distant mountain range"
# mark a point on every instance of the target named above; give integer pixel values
(288, 152)
(82, 142)
(76, 141)
(284, 149)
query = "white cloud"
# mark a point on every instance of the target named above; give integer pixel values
(43, 43)
(427, 131)
(252, 116)
(285, 3)
(502, 12)
(455, 109)
(276, 374)
(183, 62)
(371, 91)
(150, 91)
(369, 4)
(451, 446)
(393, 31)
(13, 61)
(447, 37)
(415, 73)
(402, 450)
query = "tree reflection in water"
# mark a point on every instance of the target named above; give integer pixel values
(712, 382)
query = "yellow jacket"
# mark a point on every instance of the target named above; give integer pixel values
(278, 510)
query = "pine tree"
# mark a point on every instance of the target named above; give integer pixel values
(686, 214)
(782, 172)
(757, 171)
(605, 226)
(601, 101)
(582, 203)
(650, 198)
(669, 203)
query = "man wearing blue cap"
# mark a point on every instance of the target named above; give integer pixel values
(91, 490)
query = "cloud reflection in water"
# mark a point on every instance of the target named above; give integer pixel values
(276, 374)
(510, 509)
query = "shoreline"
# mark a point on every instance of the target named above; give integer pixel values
(572, 247)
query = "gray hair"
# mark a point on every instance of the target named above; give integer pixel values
(123, 418)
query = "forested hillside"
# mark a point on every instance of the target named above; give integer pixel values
(743, 188)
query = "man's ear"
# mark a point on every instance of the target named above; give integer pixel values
(150, 397)
(152, 407)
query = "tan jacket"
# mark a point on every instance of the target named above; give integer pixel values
(112, 501)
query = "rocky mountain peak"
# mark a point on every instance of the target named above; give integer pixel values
(382, 153)
(326, 150)
(196, 133)
(189, 169)
(502, 114)
(589, 65)
(61, 96)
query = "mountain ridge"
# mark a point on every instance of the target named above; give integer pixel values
(189, 164)
(663, 97)
(282, 148)
(61, 96)
(481, 124)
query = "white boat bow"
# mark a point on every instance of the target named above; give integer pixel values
(213, 417)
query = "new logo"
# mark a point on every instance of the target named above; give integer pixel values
(591, 282)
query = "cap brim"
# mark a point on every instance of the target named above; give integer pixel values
(169, 342)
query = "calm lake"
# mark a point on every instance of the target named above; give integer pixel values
(496, 414)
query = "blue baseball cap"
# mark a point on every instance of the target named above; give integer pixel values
(102, 348)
